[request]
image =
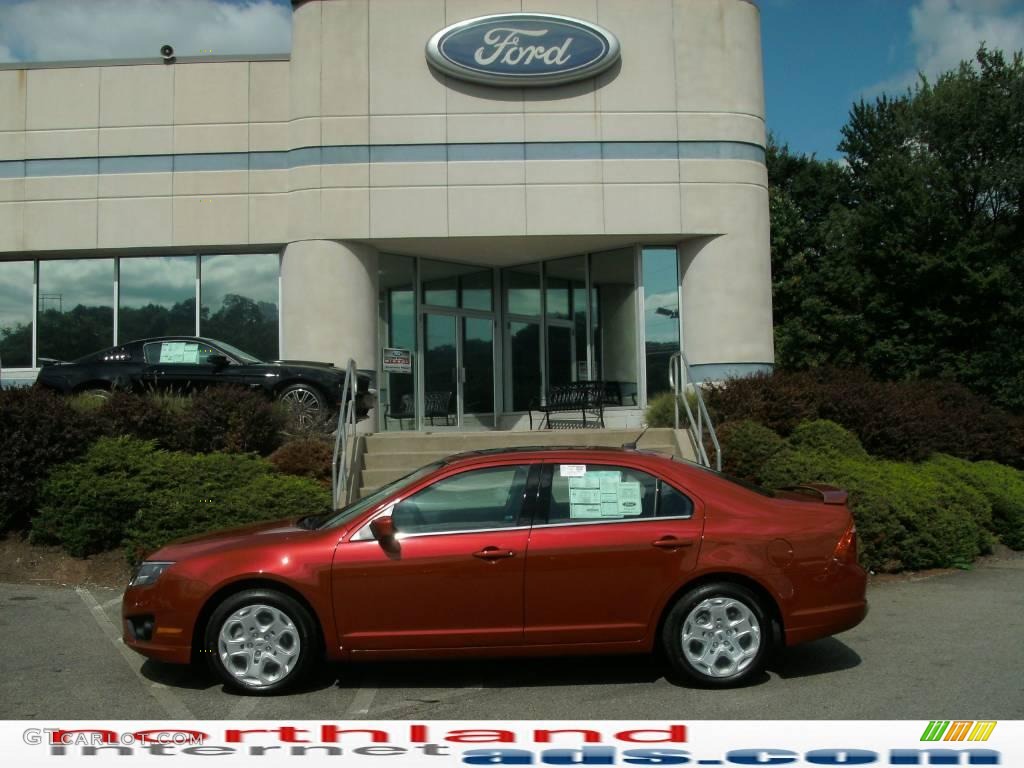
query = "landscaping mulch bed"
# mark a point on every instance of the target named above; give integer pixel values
(22, 563)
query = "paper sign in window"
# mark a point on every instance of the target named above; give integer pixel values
(572, 470)
(179, 352)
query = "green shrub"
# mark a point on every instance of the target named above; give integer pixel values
(172, 514)
(305, 457)
(38, 431)
(746, 448)
(661, 410)
(231, 419)
(907, 516)
(826, 436)
(127, 487)
(906, 421)
(146, 417)
(1002, 487)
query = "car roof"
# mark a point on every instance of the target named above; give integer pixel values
(546, 451)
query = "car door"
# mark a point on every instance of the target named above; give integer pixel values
(181, 365)
(609, 544)
(454, 577)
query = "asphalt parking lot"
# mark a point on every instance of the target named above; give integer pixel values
(944, 646)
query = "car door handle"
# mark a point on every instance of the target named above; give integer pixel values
(671, 542)
(493, 553)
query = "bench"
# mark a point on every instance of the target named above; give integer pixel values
(587, 397)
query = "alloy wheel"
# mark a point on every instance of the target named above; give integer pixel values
(721, 637)
(304, 405)
(259, 645)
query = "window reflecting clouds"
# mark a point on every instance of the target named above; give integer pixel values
(661, 314)
(239, 301)
(157, 297)
(16, 314)
(76, 307)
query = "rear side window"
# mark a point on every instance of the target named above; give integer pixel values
(584, 493)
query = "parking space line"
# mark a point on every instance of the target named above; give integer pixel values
(361, 703)
(168, 701)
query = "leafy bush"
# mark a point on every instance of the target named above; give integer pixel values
(127, 488)
(827, 437)
(746, 448)
(232, 419)
(38, 431)
(907, 420)
(908, 516)
(661, 410)
(1002, 486)
(305, 458)
(173, 514)
(146, 417)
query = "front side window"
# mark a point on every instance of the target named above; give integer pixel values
(479, 499)
(587, 493)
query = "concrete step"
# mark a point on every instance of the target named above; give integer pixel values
(387, 460)
(456, 442)
(378, 477)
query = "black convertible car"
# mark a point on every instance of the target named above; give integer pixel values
(187, 363)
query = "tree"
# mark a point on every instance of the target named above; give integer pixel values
(910, 259)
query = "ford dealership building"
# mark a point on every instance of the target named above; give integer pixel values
(480, 199)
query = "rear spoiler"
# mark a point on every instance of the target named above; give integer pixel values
(829, 493)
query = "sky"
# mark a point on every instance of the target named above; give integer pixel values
(820, 56)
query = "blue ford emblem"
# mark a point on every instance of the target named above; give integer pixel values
(523, 49)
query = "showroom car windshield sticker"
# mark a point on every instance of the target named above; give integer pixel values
(572, 470)
(603, 494)
(523, 49)
(179, 352)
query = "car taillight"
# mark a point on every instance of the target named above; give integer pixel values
(846, 547)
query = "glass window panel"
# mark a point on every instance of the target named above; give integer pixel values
(16, 314)
(475, 500)
(157, 297)
(397, 329)
(478, 362)
(558, 293)
(522, 290)
(614, 317)
(661, 314)
(601, 493)
(524, 365)
(456, 285)
(239, 294)
(76, 307)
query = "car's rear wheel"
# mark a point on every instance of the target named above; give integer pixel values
(260, 641)
(96, 392)
(717, 635)
(306, 404)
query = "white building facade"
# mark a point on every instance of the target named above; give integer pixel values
(506, 236)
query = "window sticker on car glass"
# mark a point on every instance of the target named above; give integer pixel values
(629, 499)
(572, 470)
(179, 352)
(597, 495)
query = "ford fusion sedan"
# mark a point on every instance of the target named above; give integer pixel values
(512, 553)
(189, 363)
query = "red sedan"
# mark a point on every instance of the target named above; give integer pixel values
(513, 553)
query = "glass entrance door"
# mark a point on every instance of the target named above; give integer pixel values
(458, 370)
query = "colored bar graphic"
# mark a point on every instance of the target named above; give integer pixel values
(958, 730)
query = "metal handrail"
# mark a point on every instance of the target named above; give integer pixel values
(679, 380)
(344, 454)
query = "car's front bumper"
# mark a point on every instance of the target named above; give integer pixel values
(151, 626)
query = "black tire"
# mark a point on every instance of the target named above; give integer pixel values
(267, 653)
(731, 634)
(306, 403)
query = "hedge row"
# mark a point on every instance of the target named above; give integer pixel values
(906, 421)
(940, 513)
(125, 491)
(42, 430)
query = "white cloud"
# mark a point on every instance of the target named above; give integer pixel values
(945, 32)
(66, 30)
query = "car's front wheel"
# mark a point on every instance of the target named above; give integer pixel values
(261, 641)
(717, 635)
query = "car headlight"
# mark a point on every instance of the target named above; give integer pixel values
(148, 572)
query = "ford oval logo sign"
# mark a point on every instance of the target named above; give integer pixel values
(523, 49)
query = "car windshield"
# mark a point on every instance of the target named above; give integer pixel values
(245, 357)
(354, 510)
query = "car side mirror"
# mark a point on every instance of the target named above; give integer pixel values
(383, 529)
(217, 361)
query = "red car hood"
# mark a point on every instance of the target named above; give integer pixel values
(194, 545)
